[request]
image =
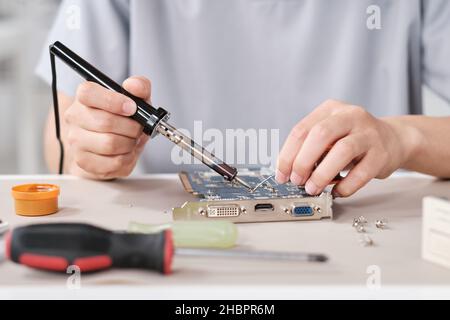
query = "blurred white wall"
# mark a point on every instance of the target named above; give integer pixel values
(24, 99)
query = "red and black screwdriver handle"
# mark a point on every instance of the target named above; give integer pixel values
(56, 246)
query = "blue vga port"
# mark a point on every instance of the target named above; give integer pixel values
(302, 210)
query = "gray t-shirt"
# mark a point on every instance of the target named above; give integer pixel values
(259, 64)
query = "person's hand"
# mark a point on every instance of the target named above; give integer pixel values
(369, 147)
(103, 142)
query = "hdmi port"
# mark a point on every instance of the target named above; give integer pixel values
(264, 207)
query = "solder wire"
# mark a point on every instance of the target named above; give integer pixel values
(261, 183)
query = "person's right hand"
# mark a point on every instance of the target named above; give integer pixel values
(102, 142)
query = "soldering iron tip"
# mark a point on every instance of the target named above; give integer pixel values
(243, 183)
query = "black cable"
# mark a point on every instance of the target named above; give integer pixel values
(56, 112)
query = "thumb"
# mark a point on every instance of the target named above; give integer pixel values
(139, 86)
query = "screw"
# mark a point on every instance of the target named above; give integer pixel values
(362, 219)
(359, 220)
(360, 228)
(359, 223)
(381, 223)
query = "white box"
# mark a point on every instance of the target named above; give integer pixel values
(436, 231)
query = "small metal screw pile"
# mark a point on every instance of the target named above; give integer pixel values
(360, 223)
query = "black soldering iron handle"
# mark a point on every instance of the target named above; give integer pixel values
(57, 246)
(147, 115)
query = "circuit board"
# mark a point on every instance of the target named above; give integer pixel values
(209, 186)
(270, 201)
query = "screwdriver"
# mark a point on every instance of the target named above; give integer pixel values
(55, 246)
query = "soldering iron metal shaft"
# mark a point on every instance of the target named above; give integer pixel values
(200, 153)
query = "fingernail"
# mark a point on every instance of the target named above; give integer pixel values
(296, 179)
(281, 177)
(129, 108)
(137, 82)
(311, 188)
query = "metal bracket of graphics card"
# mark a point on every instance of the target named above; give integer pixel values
(222, 200)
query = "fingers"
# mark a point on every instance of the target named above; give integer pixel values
(320, 137)
(104, 167)
(358, 177)
(101, 121)
(104, 142)
(100, 143)
(355, 136)
(94, 95)
(297, 136)
(138, 86)
(338, 158)
(289, 151)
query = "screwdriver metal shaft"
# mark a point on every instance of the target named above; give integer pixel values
(247, 254)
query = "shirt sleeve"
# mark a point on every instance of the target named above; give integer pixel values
(436, 46)
(98, 31)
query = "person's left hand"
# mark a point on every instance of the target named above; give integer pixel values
(368, 146)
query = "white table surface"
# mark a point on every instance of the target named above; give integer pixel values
(149, 199)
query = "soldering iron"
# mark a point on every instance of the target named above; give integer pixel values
(154, 120)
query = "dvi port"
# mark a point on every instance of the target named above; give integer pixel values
(225, 210)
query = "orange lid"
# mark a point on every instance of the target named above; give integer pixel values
(36, 199)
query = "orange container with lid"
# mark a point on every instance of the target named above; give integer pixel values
(35, 199)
